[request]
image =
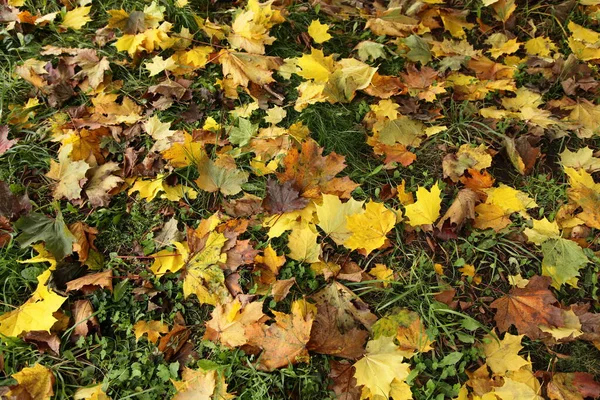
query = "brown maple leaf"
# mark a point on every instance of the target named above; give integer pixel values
(326, 336)
(312, 174)
(527, 308)
(5, 144)
(344, 382)
(284, 342)
(282, 197)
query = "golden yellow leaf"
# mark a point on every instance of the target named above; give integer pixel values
(332, 215)
(159, 64)
(369, 228)
(580, 159)
(204, 277)
(502, 355)
(513, 390)
(154, 329)
(303, 244)
(187, 153)
(91, 393)
(76, 18)
(540, 46)
(541, 231)
(382, 273)
(130, 43)
(315, 66)
(201, 385)
(197, 57)
(32, 383)
(318, 31)
(426, 210)
(381, 364)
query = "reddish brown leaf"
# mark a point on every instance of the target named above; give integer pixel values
(344, 383)
(85, 236)
(528, 307)
(281, 288)
(282, 198)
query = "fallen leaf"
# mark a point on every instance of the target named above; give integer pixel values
(528, 308)
(229, 322)
(92, 282)
(318, 31)
(84, 320)
(153, 329)
(382, 364)
(369, 229)
(202, 385)
(502, 355)
(283, 342)
(426, 210)
(32, 383)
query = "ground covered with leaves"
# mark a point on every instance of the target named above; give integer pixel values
(347, 199)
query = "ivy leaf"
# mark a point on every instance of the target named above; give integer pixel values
(54, 233)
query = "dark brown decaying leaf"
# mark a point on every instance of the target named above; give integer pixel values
(350, 308)
(11, 205)
(281, 198)
(44, 341)
(527, 308)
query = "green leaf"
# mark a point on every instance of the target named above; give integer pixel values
(54, 233)
(163, 373)
(242, 133)
(419, 49)
(562, 261)
(370, 50)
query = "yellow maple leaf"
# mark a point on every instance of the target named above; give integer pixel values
(130, 43)
(76, 18)
(369, 228)
(148, 188)
(204, 277)
(379, 367)
(318, 31)
(303, 244)
(32, 383)
(426, 210)
(69, 174)
(315, 66)
(187, 153)
(220, 176)
(91, 393)
(571, 328)
(332, 215)
(34, 315)
(540, 46)
(512, 389)
(275, 115)
(382, 273)
(243, 68)
(154, 329)
(159, 64)
(502, 355)
(170, 260)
